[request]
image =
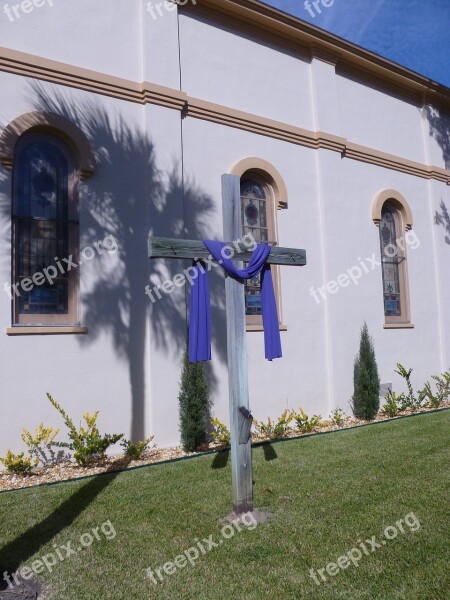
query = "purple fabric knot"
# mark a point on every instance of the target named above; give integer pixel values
(200, 310)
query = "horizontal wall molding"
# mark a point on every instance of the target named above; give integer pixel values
(43, 69)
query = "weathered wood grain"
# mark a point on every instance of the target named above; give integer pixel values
(241, 454)
(177, 248)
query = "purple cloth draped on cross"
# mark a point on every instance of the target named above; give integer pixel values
(200, 309)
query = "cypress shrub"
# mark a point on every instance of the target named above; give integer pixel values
(193, 405)
(366, 397)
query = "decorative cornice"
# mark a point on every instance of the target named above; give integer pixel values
(217, 113)
(396, 163)
(44, 69)
(163, 96)
(27, 65)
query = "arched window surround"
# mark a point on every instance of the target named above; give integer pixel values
(399, 201)
(82, 167)
(392, 214)
(270, 180)
(54, 124)
(45, 232)
(268, 172)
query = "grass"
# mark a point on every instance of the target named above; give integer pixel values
(328, 493)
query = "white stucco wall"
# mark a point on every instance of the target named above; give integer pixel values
(243, 73)
(159, 172)
(102, 36)
(83, 372)
(379, 119)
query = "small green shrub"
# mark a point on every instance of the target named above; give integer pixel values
(304, 423)
(443, 385)
(18, 464)
(275, 429)
(393, 404)
(338, 417)
(136, 450)
(366, 396)
(409, 400)
(39, 444)
(442, 390)
(87, 444)
(220, 432)
(434, 401)
(193, 400)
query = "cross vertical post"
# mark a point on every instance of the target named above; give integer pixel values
(241, 451)
(240, 417)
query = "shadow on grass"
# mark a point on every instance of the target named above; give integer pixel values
(26, 545)
(221, 459)
(269, 452)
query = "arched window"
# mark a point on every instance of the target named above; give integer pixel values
(45, 232)
(393, 261)
(258, 218)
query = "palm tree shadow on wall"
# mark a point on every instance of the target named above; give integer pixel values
(130, 197)
(440, 130)
(443, 219)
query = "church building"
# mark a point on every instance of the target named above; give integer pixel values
(118, 120)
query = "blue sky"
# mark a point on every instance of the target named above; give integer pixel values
(413, 33)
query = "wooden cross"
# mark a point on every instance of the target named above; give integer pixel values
(240, 417)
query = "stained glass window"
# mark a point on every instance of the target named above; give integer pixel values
(45, 223)
(391, 260)
(254, 221)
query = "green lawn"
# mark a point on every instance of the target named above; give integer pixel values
(328, 493)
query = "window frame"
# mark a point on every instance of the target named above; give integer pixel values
(404, 318)
(254, 322)
(71, 318)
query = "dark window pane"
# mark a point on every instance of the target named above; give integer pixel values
(390, 263)
(42, 226)
(42, 183)
(254, 221)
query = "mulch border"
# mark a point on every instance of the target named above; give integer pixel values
(226, 449)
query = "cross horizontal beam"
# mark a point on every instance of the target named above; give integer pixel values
(178, 248)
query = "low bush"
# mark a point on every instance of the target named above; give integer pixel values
(442, 390)
(136, 450)
(305, 423)
(393, 403)
(87, 444)
(338, 417)
(275, 429)
(18, 463)
(220, 433)
(40, 447)
(409, 401)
